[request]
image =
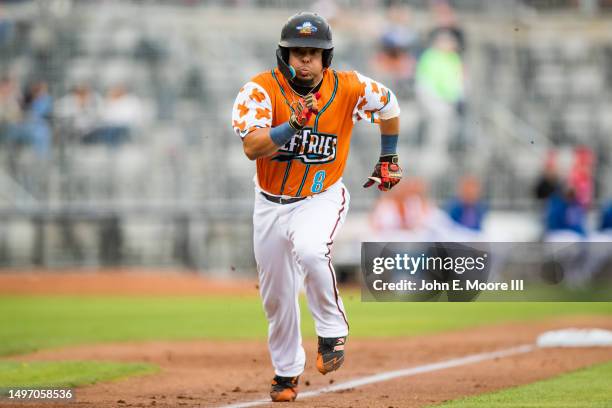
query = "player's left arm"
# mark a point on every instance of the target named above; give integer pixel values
(387, 172)
(377, 104)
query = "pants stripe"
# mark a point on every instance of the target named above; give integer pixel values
(331, 268)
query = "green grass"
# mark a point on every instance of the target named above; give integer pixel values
(29, 323)
(66, 373)
(587, 388)
(402, 319)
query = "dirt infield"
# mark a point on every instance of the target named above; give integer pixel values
(213, 373)
(128, 281)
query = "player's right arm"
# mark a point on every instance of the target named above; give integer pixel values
(252, 121)
(258, 144)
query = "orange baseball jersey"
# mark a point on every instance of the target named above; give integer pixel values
(315, 157)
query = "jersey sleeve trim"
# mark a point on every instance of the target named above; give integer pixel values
(375, 101)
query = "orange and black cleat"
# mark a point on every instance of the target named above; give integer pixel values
(330, 354)
(284, 389)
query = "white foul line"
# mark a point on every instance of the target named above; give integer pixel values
(406, 372)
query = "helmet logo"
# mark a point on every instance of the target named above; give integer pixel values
(306, 28)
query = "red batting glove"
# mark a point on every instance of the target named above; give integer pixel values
(387, 173)
(303, 110)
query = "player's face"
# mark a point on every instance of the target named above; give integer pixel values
(308, 64)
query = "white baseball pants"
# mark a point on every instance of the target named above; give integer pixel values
(292, 245)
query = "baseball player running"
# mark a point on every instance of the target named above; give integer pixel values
(296, 121)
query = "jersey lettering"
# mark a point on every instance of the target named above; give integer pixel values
(309, 148)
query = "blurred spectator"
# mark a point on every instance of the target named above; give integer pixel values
(605, 224)
(581, 176)
(440, 91)
(467, 209)
(565, 217)
(122, 108)
(399, 46)
(35, 129)
(599, 257)
(548, 182)
(445, 22)
(79, 111)
(122, 114)
(440, 71)
(10, 109)
(407, 214)
(404, 207)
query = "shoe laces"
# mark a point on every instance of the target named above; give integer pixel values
(331, 344)
(285, 381)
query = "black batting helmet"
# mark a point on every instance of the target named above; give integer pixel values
(304, 30)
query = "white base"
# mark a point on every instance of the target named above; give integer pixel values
(576, 338)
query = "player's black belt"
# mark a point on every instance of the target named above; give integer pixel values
(280, 200)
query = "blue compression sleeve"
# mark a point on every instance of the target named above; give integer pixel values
(282, 134)
(388, 144)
